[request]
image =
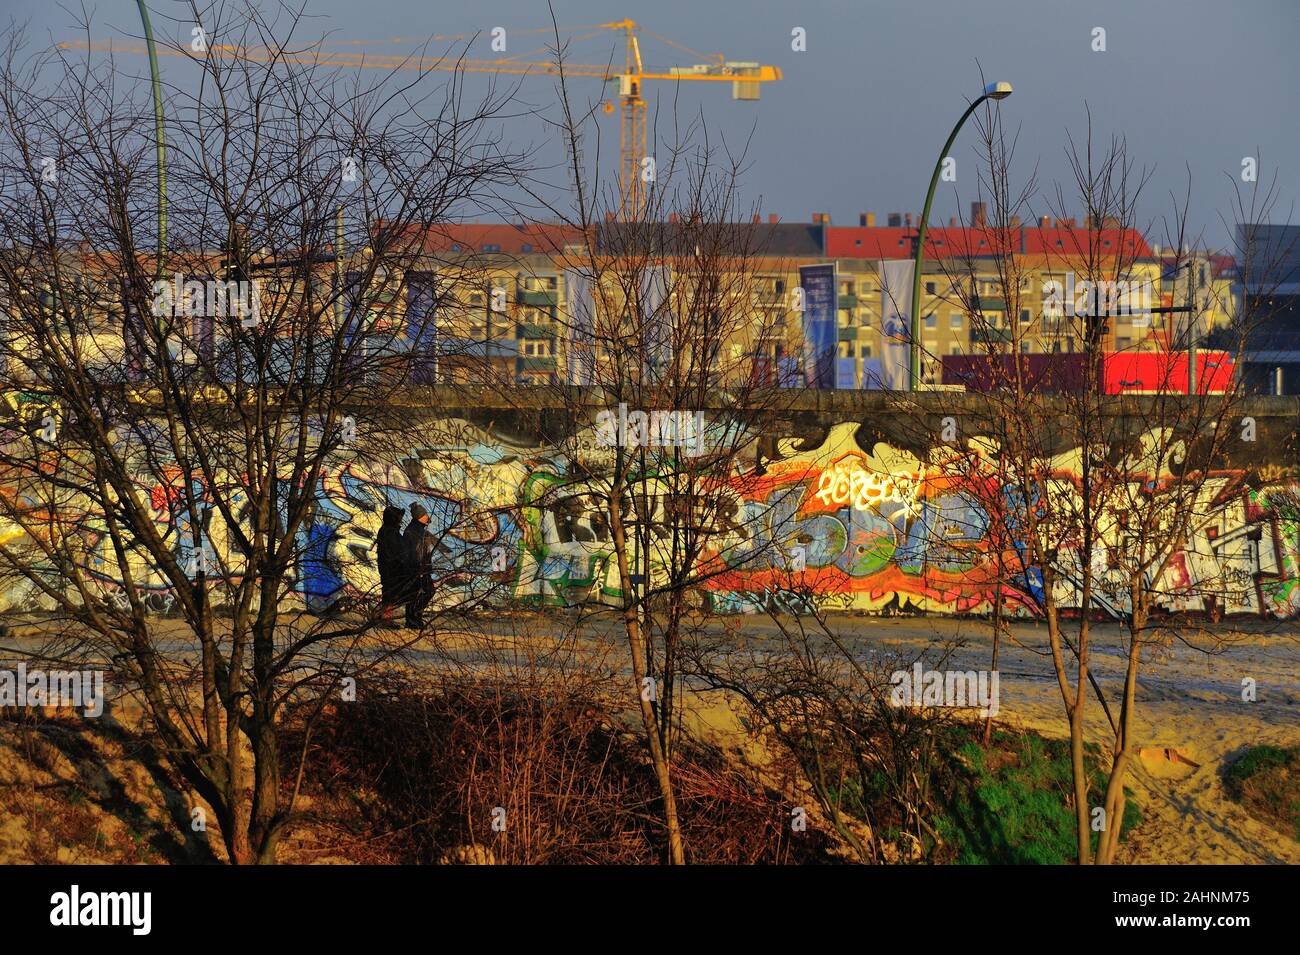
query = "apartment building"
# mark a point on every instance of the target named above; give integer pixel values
(517, 303)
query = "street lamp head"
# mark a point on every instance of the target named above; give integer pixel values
(998, 90)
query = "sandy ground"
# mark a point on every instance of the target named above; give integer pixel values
(1186, 701)
(1191, 718)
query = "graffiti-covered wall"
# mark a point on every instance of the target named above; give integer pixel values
(845, 506)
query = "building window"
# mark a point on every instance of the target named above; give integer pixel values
(1024, 316)
(929, 288)
(955, 320)
(932, 320)
(954, 349)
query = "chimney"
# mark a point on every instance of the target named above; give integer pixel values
(821, 218)
(673, 217)
(1044, 222)
(867, 220)
(895, 220)
(907, 220)
(757, 218)
(609, 217)
(772, 218)
(977, 215)
(1015, 222)
(952, 222)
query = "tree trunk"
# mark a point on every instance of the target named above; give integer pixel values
(997, 637)
(649, 721)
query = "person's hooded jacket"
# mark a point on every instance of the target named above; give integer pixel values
(393, 569)
(419, 545)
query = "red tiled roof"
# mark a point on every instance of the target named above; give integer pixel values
(1222, 263)
(873, 242)
(497, 237)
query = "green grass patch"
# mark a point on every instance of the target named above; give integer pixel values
(1011, 803)
(1266, 781)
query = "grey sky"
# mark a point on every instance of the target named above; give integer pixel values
(857, 122)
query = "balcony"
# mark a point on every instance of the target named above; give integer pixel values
(478, 348)
(848, 334)
(999, 336)
(848, 301)
(538, 298)
(535, 330)
(537, 363)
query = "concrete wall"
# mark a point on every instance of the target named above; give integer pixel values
(844, 477)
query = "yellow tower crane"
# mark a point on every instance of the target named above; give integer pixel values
(746, 81)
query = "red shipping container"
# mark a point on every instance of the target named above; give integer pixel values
(1166, 372)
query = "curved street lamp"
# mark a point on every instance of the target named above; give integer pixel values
(995, 91)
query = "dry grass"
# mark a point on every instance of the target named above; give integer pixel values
(415, 775)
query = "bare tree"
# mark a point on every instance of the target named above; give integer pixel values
(198, 396)
(1099, 498)
(668, 385)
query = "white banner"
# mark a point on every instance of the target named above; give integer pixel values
(895, 321)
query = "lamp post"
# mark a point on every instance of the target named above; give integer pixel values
(158, 129)
(996, 91)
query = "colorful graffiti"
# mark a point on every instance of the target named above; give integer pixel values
(879, 530)
(885, 531)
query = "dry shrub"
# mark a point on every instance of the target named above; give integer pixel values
(414, 774)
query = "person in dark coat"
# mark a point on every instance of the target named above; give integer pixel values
(394, 574)
(419, 556)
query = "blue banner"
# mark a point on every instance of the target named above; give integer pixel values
(788, 371)
(421, 326)
(820, 334)
(846, 374)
